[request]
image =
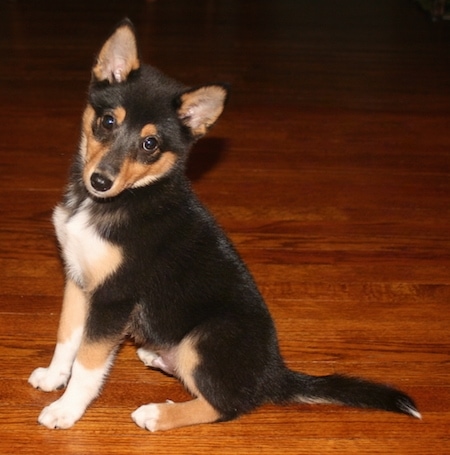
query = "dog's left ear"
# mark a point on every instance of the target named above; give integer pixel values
(200, 108)
(118, 56)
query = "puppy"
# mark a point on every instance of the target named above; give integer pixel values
(144, 258)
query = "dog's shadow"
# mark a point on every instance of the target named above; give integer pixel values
(205, 155)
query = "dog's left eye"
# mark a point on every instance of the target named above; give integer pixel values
(108, 121)
(150, 144)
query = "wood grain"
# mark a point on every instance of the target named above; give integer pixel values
(330, 170)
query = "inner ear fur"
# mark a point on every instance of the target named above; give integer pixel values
(118, 56)
(201, 107)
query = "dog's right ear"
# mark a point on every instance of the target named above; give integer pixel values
(118, 56)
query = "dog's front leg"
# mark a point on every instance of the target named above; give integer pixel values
(89, 369)
(70, 332)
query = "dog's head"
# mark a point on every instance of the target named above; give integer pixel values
(139, 124)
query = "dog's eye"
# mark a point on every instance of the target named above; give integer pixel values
(150, 144)
(108, 122)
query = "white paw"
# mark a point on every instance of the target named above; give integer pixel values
(146, 357)
(147, 417)
(48, 380)
(59, 415)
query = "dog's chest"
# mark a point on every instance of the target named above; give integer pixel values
(89, 258)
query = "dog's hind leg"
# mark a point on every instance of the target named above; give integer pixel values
(166, 416)
(70, 332)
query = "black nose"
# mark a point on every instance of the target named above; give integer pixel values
(100, 183)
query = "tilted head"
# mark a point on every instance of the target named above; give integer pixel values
(139, 124)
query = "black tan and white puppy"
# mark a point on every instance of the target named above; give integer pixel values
(145, 259)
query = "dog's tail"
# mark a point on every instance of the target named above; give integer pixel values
(342, 390)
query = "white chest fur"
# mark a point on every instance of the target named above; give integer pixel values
(89, 258)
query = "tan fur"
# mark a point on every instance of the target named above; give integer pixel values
(93, 151)
(134, 174)
(94, 355)
(186, 361)
(119, 114)
(73, 313)
(176, 415)
(105, 266)
(149, 130)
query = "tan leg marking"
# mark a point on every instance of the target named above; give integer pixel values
(94, 355)
(176, 415)
(74, 309)
(186, 361)
(70, 333)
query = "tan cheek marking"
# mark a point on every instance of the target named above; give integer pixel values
(149, 130)
(86, 128)
(94, 154)
(93, 150)
(88, 118)
(73, 313)
(129, 173)
(163, 165)
(135, 174)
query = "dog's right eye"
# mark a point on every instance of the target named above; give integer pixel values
(108, 122)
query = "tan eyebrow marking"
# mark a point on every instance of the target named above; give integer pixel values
(149, 130)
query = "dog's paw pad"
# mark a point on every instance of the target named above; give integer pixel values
(147, 417)
(58, 416)
(47, 380)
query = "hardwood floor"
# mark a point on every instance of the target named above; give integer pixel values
(330, 170)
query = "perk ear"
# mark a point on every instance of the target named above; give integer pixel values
(118, 56)
(201, 107)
